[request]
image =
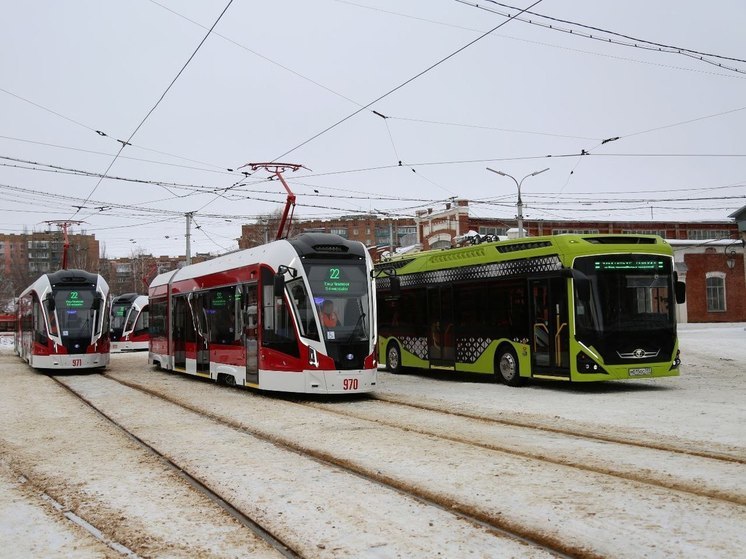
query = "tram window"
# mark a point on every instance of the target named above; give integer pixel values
(303, 308)
(221, 314)
(143, 321)
(278, 330)
(157, 318)
(40, 329)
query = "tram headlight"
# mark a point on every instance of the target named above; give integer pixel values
(313, 358)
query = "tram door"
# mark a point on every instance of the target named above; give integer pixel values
(201, 352)
(441, 336)
(183, 330)
(550, 342)
(250, 309)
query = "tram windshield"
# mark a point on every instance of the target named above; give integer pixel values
(118, 316)
(623, 294)
(340, 294)
(76, 316)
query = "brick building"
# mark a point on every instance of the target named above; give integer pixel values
(370, 229)
(25, 256)
(709, 255)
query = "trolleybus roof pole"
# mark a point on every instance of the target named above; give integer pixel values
(278, 169)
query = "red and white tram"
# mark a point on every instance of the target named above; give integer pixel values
(63, 321)
(257, 318)
(129, 323)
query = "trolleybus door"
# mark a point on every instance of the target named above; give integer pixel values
(549, 343)
(250, 310)
(441, 335)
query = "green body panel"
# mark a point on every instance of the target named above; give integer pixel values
(566, 247)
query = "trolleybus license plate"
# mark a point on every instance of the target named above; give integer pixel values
(641, 372)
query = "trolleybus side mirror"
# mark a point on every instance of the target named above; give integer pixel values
(680, 288)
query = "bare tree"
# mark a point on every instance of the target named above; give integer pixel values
(264, 229)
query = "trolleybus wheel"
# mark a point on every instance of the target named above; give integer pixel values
(507, 367)
(393, 358)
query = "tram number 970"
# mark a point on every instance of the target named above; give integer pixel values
(350, 384)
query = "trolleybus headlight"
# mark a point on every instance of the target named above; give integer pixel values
(589, 366)
(676, 361)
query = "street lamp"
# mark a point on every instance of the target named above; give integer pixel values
(519, 205)
(391, 230)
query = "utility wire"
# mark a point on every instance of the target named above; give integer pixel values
(513, 38)
(126, 143)
(621, 35)
(255, 53)
(100, 133)
(640, 44)
(683, 122)
(403, 84)
(481, 127)
(222, 171)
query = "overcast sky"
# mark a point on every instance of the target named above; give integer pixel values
(297, 81)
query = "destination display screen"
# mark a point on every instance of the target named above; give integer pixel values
(222, 299)
(74, 300)
(335, 281)
(647, 265)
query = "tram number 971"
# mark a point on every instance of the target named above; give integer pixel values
(77, 362)
(350, 384)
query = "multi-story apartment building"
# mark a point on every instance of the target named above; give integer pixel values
(133, 274)
(25, 256)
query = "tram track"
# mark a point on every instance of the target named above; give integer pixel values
(667, 479)
(721, 456)
(249, 523)
(253, 418)
(495, 524)
(299, 469)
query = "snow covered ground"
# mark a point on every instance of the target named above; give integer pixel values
(56, 454)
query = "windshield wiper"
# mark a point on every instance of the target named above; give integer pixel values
(354, 329)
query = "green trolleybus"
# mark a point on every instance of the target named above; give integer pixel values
(565, 307)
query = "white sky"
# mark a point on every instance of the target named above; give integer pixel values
(275, 74)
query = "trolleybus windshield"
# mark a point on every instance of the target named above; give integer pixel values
(340, 293)
(624, 294)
